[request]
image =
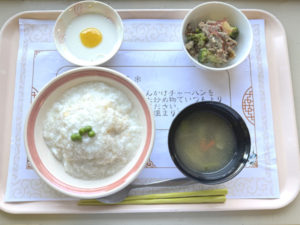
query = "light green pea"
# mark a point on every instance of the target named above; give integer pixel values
(82, 131)
(91, 133)
(85, 130)
(88, 128)
(76, 137)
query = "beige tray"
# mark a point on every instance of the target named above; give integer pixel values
(286, 138)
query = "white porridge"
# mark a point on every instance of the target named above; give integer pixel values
(112, 118)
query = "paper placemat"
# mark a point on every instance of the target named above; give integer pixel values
(152, 56)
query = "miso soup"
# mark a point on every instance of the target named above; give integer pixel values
(205, 141)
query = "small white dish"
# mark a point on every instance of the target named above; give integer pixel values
(80, 16)
(219, 11)
(50, 169)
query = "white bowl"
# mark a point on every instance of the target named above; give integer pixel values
(45, 163)
(235, 17)
(74, 54)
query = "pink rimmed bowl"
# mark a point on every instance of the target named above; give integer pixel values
(50, 169)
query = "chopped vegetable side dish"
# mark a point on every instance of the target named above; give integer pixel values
(212, 42)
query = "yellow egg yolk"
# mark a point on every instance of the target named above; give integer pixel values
(90, 37)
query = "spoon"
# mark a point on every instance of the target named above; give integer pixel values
(121, 195)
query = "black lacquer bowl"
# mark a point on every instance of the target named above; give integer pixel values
(212, 112)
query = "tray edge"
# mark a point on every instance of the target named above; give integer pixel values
(8, 207)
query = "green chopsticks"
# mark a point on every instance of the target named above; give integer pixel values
(195, 197)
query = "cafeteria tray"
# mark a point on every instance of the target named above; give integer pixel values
(285, 130)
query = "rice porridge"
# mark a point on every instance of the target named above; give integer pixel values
(112, 118)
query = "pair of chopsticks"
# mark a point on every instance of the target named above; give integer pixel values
(195, 197)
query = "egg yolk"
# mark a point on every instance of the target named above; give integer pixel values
(90, 37)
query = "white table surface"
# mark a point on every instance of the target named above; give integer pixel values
(288, 12)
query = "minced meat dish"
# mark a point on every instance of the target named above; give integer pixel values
(212, 42)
